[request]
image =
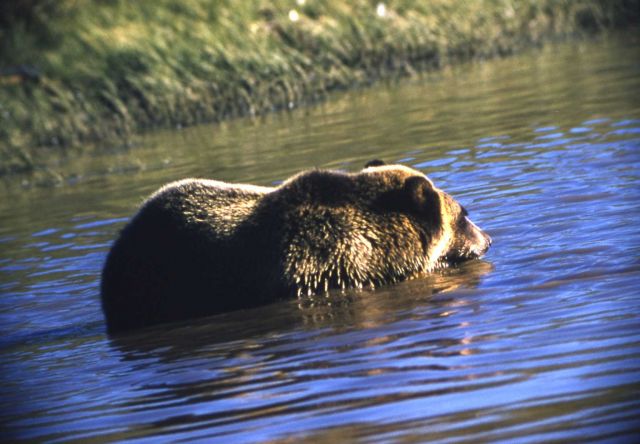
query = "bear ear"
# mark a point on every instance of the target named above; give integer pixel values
(421, 195)
(375, 163)
(416, 195)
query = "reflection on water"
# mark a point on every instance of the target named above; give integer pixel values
(539, 341)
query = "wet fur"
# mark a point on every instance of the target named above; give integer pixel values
(199, 247)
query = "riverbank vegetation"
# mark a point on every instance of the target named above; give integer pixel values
(73, 72)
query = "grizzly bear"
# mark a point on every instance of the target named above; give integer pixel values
(198, 247)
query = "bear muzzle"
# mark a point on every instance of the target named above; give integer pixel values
(479, 241)
(470, 242)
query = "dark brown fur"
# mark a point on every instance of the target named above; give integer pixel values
(198, 247)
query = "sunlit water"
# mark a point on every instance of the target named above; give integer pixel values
(538, 341)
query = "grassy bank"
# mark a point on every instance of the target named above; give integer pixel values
(79, 71)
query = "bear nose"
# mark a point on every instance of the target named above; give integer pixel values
(487, 238)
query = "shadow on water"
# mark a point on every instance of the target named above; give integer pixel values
(351, 310)
(281, 346)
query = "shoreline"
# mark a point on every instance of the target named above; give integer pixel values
(111, 71)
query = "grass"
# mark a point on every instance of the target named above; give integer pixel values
(102, 70)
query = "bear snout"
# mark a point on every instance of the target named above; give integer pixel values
(480, 240)
(487, 241)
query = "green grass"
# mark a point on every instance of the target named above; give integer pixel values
(110, 68)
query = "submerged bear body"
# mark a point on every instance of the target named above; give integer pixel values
(198, 247)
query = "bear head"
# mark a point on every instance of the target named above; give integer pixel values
(455, 237)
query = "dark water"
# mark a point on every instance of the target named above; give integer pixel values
(540, 341)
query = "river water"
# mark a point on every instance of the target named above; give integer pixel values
(539, 341)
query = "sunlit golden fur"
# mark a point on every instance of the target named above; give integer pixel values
(198, 247)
